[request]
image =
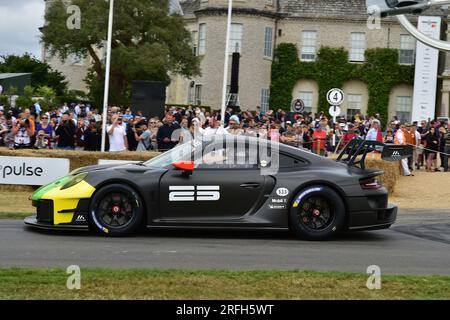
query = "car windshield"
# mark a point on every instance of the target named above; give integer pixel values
(182, 152)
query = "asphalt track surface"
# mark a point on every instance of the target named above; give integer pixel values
(418, 244)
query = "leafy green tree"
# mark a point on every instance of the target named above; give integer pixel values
(148, 44)
(47, 97)
(24, 102)
(4, 100)
(28, 91)
(41, 72)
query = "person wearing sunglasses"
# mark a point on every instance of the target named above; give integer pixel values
(154, 125)
(47, 129)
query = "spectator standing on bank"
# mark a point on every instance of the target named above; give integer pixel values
(306, 138)
(154, 125)
(319, 140)
(48, 129)
(410, 139)
(234, 126)
(374, 133)
(117, 135)
(432, 144)
(23, 132)
(214, 128)
(442, 131)
(446, 147)
(185, 134)
(4, 130)
(389, 138)
(80, 133)
(65, 133)
(143, 136)
(92, 137)
(418, 147)
(401, 140)
(164, 135)
(289, 136)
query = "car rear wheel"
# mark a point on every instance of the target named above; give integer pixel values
(317, 213)
(116, 210)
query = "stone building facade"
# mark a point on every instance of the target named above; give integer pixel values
(260, 25)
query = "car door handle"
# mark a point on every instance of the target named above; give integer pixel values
(250, 185)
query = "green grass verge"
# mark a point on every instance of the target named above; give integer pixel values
(14, 215)
(198, 284)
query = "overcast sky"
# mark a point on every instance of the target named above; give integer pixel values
(19, 23)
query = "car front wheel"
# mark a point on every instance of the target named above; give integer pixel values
(116, 210)
(317, 213)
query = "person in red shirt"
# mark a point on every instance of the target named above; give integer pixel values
(319, 141)
(350, 135)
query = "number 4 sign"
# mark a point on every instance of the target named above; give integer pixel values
(335, 96)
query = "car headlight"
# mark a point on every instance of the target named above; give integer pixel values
(74, 181)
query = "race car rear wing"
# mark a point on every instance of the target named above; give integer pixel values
(355, 152)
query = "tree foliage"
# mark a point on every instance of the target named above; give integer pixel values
(148, 44)
(41, 72)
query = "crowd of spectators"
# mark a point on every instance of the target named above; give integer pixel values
(79, 127)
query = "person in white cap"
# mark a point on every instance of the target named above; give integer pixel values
(234, 126)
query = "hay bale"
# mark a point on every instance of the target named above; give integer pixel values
(391, 173)
(16, 188)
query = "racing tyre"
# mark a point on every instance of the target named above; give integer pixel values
(316, 213)
(116, 210)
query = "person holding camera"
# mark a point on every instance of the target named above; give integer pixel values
(143, 135)
(65, 133)
(45, 133)
(23, 132)
(92, 137)
(117, 134)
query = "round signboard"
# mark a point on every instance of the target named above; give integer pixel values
(335, 111)
(335, 96)
(298, 105)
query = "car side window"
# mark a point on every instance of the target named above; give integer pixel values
(219, 157)
(287, 162)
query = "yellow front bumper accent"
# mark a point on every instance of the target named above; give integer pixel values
(68, 199)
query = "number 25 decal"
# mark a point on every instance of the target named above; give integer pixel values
(192, 193)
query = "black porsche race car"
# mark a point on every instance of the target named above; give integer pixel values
(231, 183)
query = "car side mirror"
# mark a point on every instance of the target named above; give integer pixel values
(186, 166)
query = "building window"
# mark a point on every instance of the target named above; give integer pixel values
(403, 108)
(357, 46)
(265, 96)
(191, 93)
(202, 39)
(194, 40)
(236, 38)
(407, 45)
(268, 42)
(307, 98)
(308, 51)
(354, 105)
(198, 94)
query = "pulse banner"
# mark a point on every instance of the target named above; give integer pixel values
(425, 81)
(32, 171)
